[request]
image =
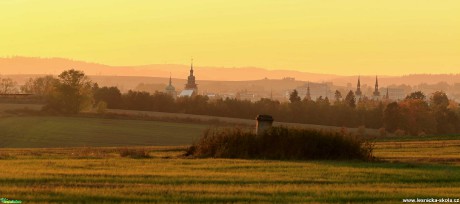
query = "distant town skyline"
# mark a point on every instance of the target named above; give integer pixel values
(332, 37)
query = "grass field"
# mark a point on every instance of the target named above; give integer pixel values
(236, 120)
(98, 175)
(162, 116)
(10, 106)
(52, 131)
(408, 167)
(34, 131)
(434, 151)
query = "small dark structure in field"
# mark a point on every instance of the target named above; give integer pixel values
(264, 122)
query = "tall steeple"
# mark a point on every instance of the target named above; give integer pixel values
(191, 67)
(170, 88)
(376, 90)
(358, 92)
(191, 85)
(308, 96)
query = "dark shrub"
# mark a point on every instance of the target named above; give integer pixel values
(89, 153)
(280, 143)
(134, 153)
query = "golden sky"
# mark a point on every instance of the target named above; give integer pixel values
(324, 36)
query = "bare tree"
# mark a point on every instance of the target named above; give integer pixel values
(7, 86)
(41, 86)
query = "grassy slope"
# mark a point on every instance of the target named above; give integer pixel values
(434, 151)
(71, 175)
(12, 106)
(71, 132)
(235, 120)
(205, 118)
(430, 168)
(417, 138)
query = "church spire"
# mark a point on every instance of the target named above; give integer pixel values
(358, 87)
(191, 85)
(191, 67)
(376, 84)
(170, 88)
(308, 96)
(376, 90)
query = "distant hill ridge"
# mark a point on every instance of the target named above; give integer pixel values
(34, 65)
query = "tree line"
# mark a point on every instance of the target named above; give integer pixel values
(7, 86)
(72, 92)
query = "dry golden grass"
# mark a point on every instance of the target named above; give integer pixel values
(441, 152)
(101, 175)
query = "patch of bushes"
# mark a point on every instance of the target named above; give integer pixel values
(137, 153)
(400, 133)
(383, 132)
(89, 153)
(280, 143)
(4, 156)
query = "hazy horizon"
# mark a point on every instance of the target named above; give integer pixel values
(41, 66)
(289, 101)
(346, 38)
(12, 57)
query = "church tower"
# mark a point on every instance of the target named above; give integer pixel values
(191, 85)
(387, 96)
(191, 88)
(170, 88)
(376, 90)
(358, 92)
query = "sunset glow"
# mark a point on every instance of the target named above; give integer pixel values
(340, 37)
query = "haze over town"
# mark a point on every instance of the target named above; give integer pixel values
(229, 101)
(249, 83)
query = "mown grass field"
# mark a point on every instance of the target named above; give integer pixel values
(100, 175)
(12, 106)
(35, 131)
(235, 120)
(409, 167)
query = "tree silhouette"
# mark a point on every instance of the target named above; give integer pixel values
(416, 95)
(109, 95)
(41, 86)
(391, 117)
(446, 120)
(7, 86)
(294, 97)
(72, 93)
(350, 99)
(337, 96)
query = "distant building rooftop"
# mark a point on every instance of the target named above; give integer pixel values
(187, 92)
(288, 78)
